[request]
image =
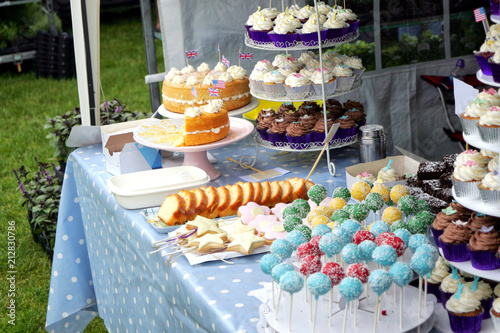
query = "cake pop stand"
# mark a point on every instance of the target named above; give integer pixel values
(197, 155)
(365, 316)
(254, 102)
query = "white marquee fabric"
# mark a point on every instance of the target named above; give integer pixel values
(396, 98)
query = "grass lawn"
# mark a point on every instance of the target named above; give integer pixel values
(26, 102)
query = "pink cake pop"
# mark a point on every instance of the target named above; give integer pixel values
(359, 271)
(310, 265)
(307, 249)
(383, 237)
(362, 235)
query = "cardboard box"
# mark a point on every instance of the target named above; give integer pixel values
(123, 154)
(401, 163)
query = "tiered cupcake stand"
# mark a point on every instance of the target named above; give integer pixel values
(338, 143)
(477, 205)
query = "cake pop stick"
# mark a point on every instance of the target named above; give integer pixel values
(401, 309)
(278, 306)
(350, 288)
(419, 297)
(380, 281)
(291, 282)
(319, 284)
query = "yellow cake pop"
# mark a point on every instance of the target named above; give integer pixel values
(382, 190)
(360, 190)
(327, 210)
(313, 213)
(320, 219)
(391, 214)
(398, 192)
(337, 203)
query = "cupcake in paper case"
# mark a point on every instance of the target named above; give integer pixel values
(309, 32)
(357, 115)
(482, 60)
(356, 65)
(454, 241)
(347, 129)
(443, 220)
(489, 126)
(284, 34)
(304, 13)
(318, 130)
(345, 77)
(260, 29)
(466, 178)
(469, 118)
(297, 86)
(298, 135)
(483, 247)
(336, 28)
(264, 120)
(277, 132)
(326, 78)
(488, 154)
(489, 189)
(465, 312)
(478, 220)
(350, 18)
(495, 314)
(450, 284)
(270, 13)
(308, 120)
(482, 291)
(256, 81)
(439, 273)
(273, 84)
(491, 95)
(495, 66)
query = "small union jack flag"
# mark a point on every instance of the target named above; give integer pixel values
(225, 61)
(246, 56)
(479, 14)
(219, 84)
(213, 92)
(194, 92)
(192, 54)
(218, 47)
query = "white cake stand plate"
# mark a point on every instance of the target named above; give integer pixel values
(302, 320)
(197, 155)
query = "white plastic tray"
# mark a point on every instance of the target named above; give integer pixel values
(150, 188)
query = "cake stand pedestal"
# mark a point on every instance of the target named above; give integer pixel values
(197, 155)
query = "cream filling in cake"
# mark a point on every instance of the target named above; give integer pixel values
(199, 102)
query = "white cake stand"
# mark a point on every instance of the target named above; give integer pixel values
(197, 155)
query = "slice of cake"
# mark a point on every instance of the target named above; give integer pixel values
(205, 124)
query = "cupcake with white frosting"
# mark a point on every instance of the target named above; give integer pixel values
(297, 86)
(466, 178)
(469, 118)
(489, 126)
(356, 64)
(449, 285)
(336, 27)
(345, 77)
(309, 32)
(470, 155)
(495, 314)
(350, 18)
(274, 84)
(327, 78)
(256, 81)
(284, 33)
(489, 189)
(465, 312)
(260, 29)
(304, 13)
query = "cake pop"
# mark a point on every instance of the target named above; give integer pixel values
(360, 190)
(398, 225)
(360, 212)
(317, 193)
(374, 201)
(422, 263)
(268, 262)
(348, 208)
(350, 288)
(342, 192)
(319, 284)
(305, 230)
(340, 215)
(397, 243)
(296, 238)
(404, 235)
(280, 269)
(383, 237)
(334, 271)
(379, 227)
(291, 282)
(330, 244)
(342, 235)
(359, 271)
(397, 192)
(426, 216)
(382, 190)
(351, 226)
(429, 249)
(337, 203)
(416, 241)
(417, 226)
(321, 230)
(350, 254)
(314, 213)
(303, 206)
(379, 281)
(408, 205)
(290, 222)
(318, 220)
(423, 206)
(307, 249)
(385, 255)
(309, 265)
(283, 248)
(362, 235)
(401, 273)
(290, 211)
(391, 214)
(326, 210)
(367, 247)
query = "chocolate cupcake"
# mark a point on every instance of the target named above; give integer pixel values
(460, 208)
(264, 121)
(478, 220)
(443, 220)
(277, 131)
(291, 116)
(318, 130)
(309, 107)
(333, 102)
(335, 111)
(483, 247)
(298, 135)
(265, 112)
(357, 115)
(350, 104)
(308, 120)
(285, 107)
(454, 241)
(347, 128)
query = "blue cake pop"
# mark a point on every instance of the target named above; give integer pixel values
(417, 240)
(351, 254)
(330, 244)
(379, 227)
(432, 250)
(422, 263)
(379, 281)
(342, 235)
(385, 255)
(367, 247)
(319, 284)
(351, 226)
(292, 282)
(321, 230)
(404, 234)
(278, 270)
(282, 248)
(296, 238)
(268, 262)
(350, 288)
(401, 273)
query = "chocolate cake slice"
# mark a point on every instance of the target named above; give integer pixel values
(431, 170)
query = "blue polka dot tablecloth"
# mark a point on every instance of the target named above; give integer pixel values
(102, 266)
